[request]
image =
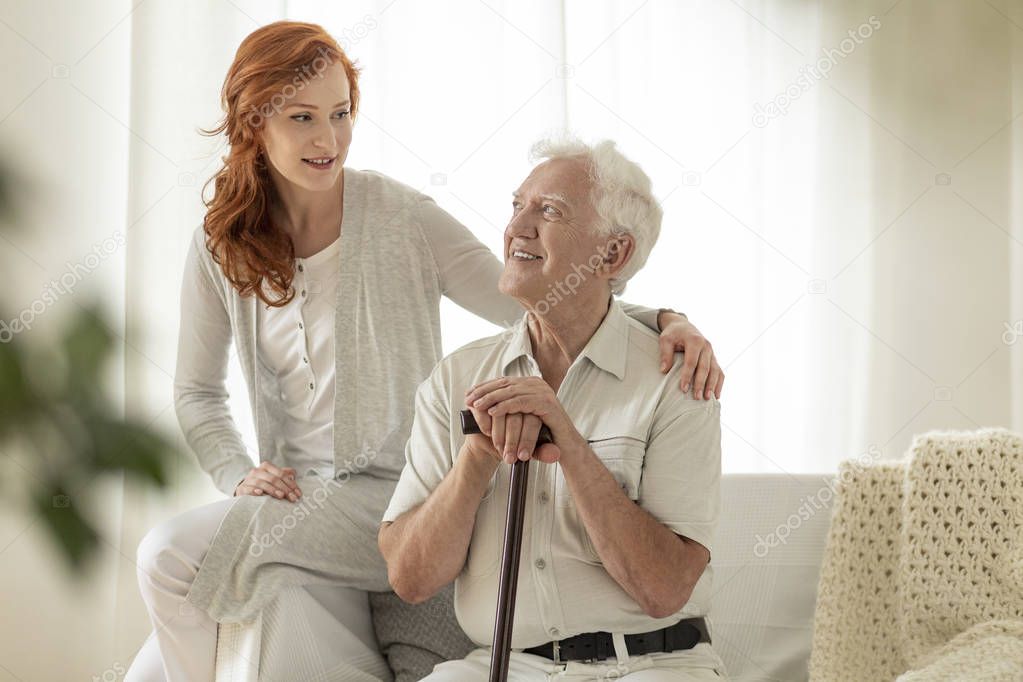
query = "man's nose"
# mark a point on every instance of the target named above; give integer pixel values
(522, 224)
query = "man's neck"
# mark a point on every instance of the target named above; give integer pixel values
(558, 336)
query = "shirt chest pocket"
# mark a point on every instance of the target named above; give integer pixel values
(622, 456)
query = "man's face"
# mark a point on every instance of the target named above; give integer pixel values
(314, 124)
(553, 219)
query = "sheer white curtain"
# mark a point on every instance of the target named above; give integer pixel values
(850, 242)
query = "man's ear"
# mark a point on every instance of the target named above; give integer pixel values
(618, 250)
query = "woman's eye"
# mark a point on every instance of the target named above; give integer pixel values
(342, 114)
(300, 117)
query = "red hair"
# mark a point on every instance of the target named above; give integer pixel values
(270, 62)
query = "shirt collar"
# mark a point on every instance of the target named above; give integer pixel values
(606, 348)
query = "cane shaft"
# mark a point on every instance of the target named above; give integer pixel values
(504, 621)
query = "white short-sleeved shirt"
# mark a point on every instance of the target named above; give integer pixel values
(661, 445)
(296, 342)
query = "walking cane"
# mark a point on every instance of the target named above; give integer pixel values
(514, 521)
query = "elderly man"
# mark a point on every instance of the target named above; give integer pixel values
(614, 577)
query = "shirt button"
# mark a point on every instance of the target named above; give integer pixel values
(300, 325)
(305, 359)
(310, 385)
(303, 292)
(300, 268)
(544, 496)
(541, 564)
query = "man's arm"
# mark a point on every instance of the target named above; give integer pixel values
(425, 548)
(652, 564)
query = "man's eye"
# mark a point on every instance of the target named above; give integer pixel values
(550, 210)
(516, 207)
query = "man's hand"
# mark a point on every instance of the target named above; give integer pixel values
(701, 368)
(270, 480)
(507, 438)
(512, 398)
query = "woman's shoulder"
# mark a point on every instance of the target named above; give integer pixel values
(380, 190)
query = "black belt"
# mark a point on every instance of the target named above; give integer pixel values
(684, 634)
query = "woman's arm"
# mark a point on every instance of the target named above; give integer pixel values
(469, 272)
(200, 392)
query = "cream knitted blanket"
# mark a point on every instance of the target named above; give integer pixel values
(922, 577)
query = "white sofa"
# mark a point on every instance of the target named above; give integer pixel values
(766, 561)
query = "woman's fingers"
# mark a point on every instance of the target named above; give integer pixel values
(701, 391)
(286, 475)
(273, 484)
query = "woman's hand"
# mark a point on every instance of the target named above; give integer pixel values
(700, 368)
(267, 479)
(513, 398)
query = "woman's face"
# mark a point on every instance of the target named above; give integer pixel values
(314, 125)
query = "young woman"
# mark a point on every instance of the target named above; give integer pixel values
(327, 280)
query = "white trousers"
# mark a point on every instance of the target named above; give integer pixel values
(183, 645)
(694, 665)
(314, 632)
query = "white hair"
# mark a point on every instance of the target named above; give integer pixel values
(621, 196)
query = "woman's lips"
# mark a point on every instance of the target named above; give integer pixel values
(320, 166)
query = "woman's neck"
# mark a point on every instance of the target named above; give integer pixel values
(311, 219)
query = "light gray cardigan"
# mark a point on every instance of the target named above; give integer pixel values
(399, 253)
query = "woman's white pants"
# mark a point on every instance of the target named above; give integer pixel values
(183, 645)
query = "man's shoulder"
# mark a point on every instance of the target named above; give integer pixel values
(462, 368)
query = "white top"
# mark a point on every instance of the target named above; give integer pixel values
(662, 445)
(296, 343)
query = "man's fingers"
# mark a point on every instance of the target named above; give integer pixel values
(512, 431)
(485, 387)
(530, 431)
(484, 421)
(497, 434)
(495, 396)
(548, 453)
